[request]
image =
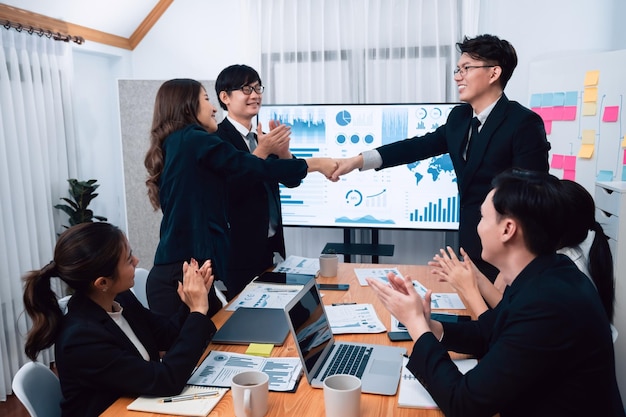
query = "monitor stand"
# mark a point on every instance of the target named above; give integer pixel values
(347, 248)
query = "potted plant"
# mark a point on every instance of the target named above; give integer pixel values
(81, 193)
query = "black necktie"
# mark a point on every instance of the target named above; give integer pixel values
(473, 136)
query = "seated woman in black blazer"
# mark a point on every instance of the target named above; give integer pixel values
(107, 345)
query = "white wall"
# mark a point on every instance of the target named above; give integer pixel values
(198, 39)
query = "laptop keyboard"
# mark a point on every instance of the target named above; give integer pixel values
(349, 359)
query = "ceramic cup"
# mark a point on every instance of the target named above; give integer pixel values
(328, 265)
(250, 390)
(342, 396)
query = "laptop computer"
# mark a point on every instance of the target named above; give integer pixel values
(378, 366)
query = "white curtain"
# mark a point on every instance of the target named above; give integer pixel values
(36, 148)
(358, 51)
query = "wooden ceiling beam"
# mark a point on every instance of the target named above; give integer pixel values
(27, 18)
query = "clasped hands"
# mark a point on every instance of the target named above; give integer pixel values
(194, 289)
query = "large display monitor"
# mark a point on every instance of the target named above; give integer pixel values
(420, 195)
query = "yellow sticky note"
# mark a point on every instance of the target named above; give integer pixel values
(589, 109)
(590, 95)
(592, 77)
(589, 137)
(260, 349)
(624, 142)
(586, 151)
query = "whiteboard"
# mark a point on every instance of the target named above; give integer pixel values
(559, 83)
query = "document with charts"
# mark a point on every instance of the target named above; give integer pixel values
(354, 318)
(219, 367)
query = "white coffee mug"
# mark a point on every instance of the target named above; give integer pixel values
(342, 396)
(250, 390)
(328, 265)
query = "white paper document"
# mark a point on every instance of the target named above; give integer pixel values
(258, 295)
(299, 265)
(218, 369)
(378, 273)
(354, 318)
(412, 392)
(442, 300)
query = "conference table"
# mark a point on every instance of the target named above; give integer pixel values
(308, 401)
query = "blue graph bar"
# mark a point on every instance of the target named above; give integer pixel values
(440, 211)
(291, 201)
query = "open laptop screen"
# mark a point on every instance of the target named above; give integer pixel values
(313, 332)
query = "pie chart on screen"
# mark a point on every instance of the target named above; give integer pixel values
(343, 118)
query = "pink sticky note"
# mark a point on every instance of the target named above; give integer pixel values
(569, 113)
(569, 162)
(548, 126)
(610, 114)
(569, 174)
(557, 112)
(557, 161)
(547, 113)
(624, 160)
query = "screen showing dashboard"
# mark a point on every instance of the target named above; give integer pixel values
(420, 195)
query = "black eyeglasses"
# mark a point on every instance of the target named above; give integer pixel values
(463, 70)
(248, 89)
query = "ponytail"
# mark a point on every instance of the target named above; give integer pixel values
(42, 306)
(600, 265)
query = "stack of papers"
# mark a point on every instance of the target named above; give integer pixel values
(299, 265)
(258, 295)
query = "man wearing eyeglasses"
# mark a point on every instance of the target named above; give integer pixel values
(254, 215)
(485, 136)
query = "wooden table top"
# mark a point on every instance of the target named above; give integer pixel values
(308, 401)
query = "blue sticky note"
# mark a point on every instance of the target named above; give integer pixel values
(546, 100)
(571, 98)
(604, 175)
(535, 100)
(558, 99)
(624, 173)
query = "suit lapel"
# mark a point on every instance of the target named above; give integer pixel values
(229, 133)
(496, 117)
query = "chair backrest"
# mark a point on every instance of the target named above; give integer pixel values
(39, 389)
(141, 278)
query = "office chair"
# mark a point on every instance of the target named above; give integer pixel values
(141, 279)
(39, 389)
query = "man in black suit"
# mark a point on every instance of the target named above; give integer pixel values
(546, 349)
(254, 214)
(509, 135)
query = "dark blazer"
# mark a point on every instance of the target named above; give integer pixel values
(512, 136)
(193, 194)
(98, 364)
(251, 251)
(545, 350)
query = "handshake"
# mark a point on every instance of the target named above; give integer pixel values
(333, 168)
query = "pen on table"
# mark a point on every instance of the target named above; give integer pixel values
(279, 290)
(190, 397)
(343, 304)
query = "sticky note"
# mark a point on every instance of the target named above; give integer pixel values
(571, 98)
(557, 161)
(569, 112)
(592, 78)
(558, 99)
(557, 112)
(535, 100)
(260, 349)
(546, 100)
(624, 142)
(624, 173)
(589, 136)
(547, 113)
(605, 176)
(548, 126)
(610, 114)
(569, 174)
(569, 162)
(589, 109)
(590, 95)
(586, 151)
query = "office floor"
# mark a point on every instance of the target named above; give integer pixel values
(12, 407)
